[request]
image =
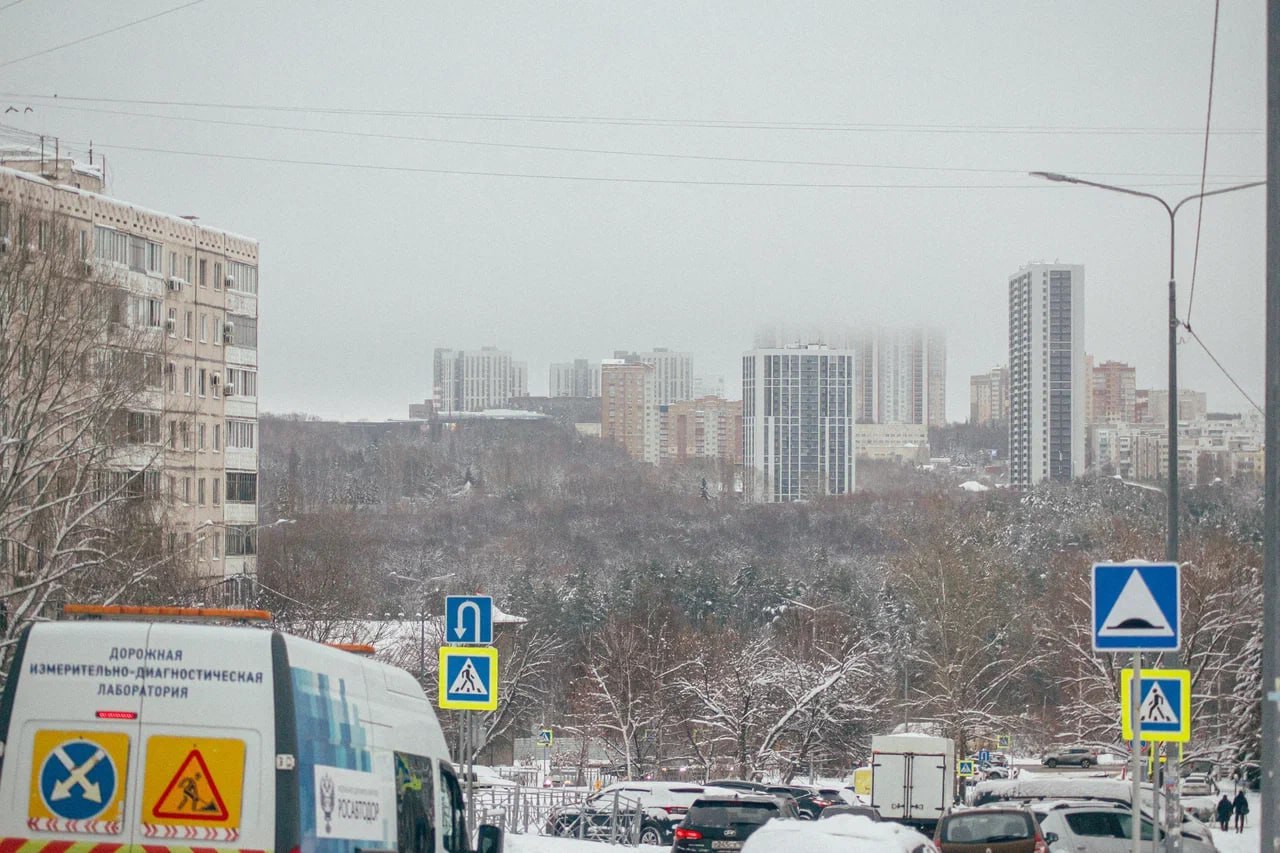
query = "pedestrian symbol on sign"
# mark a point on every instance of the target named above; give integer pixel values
(467, 681)
(1155, 708)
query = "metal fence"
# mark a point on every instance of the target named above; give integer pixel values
(551, 811)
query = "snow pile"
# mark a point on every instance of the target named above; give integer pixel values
(974, 486)
(544, 844)
(840, 834)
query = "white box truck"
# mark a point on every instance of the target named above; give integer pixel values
(140, 732)
(913, 778)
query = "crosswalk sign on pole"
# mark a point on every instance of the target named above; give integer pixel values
(1004, 741)
(546, 737)
(1165, 710)
(965, 769)
(468, 678)
(1136, 607)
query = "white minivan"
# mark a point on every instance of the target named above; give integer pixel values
(128, 732)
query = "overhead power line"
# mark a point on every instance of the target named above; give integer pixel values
(1204, 163)
(602, 151)
(1225, 372)
(856, 127)
(10, 5)
(84, 39)
(378, 167)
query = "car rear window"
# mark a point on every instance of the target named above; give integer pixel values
(989, 828)
(729, 815)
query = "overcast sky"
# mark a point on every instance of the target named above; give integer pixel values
(924, 114)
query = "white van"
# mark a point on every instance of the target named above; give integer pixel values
(151, 736)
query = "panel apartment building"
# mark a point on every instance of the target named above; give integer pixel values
(577, 378)
(798, 406)
(1048, 385)
(188, 296)
(476, 380)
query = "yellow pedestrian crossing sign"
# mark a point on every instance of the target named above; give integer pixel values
(1165, 709)
(468, 678)
(1004, 741)
(965, 769)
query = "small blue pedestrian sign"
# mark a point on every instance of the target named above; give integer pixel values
(468, 619)
(1165, 707)
(78, 780)
(546, 737)
(1136, 607)
(468, 678)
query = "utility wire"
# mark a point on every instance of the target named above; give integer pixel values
(578, 178)
(10, 5)
(84, 39)
(867, 127)
(604, 151)
(1224, 370)
(1204, 163)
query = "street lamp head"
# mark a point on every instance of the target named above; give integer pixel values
(1052, 176)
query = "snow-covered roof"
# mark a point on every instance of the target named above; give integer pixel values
(974, 486)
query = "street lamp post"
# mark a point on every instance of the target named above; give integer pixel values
(1171, 530)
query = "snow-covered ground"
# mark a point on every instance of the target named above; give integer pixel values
(547, 844)
(1248, 841)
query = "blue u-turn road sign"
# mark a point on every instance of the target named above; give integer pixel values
(1137, 607)
(468, 619)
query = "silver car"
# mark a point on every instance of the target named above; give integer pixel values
(1106, 828)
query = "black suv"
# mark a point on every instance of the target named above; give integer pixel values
(810, 799)
(723, 823)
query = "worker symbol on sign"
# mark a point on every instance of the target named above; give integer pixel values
(1155, 708)
(192, 793)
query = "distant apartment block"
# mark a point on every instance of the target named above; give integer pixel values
(672, 372)
(1212, 447)
(186, 295)
(705, 428)
(1115, 393)
(577, 378)
(892, 442)
(1192, 405)
(708, 386)
(476, 380)
(989, 397)
(629, 414)
(1047, 385)
(798, 422)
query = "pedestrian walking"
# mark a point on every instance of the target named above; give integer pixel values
(1224, 812)
(1241, 808)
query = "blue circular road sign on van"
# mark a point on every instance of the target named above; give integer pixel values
(78, 780)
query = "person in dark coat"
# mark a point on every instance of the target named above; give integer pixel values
(1241, 808)
(1224, 812)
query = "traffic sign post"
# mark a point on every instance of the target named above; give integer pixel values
(1137, 607)
(468, 619)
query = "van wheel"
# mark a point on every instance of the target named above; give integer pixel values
(1085, 763)
(650, 834)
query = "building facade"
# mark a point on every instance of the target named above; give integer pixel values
(187, 299)
(577, 378)
(475, 380)
(989, 397)
(1047, 386)
(705, 428)
(629, 414)
(672, 372)
(1115, 393)
(798, 416)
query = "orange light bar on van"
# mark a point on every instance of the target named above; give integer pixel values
(354, 648)
(117, 715)
(109, 611)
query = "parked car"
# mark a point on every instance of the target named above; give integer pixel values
(1084, 756)
(810, 799)
(1107, 828)
(1009, 829)
(662, 805)
(723, 822)
(739, 785)
(862, 811)
(1198, 785)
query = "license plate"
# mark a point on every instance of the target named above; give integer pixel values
(726, 845)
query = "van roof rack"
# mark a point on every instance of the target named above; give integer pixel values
(130, 611)
(354, 648)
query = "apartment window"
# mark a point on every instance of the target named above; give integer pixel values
(173, 264)
(218, 331)
(242, 487)
(153, 313)
(4, 219)
(155, 258)
(217, 491)
(203, 378)
(244, 331)
(200, 435)
(173, 441)
(173, 488)
(200, 492)
(217, 275)
(217, 437)
(186, 435)
(43, 235)
(215, 538)
(172, 370)
(204, 270)
(186, 381)
(188, 326)
(241, 433)
(186, 489)
(173, 322)
(190, 268)
(241, 383)
(241, 540)
(204, 328)
(108, 245)
(242, 277)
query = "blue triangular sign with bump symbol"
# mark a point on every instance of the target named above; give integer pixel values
(1136, 607)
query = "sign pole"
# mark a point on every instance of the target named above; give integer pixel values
(1135, 745)
(469, 716)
